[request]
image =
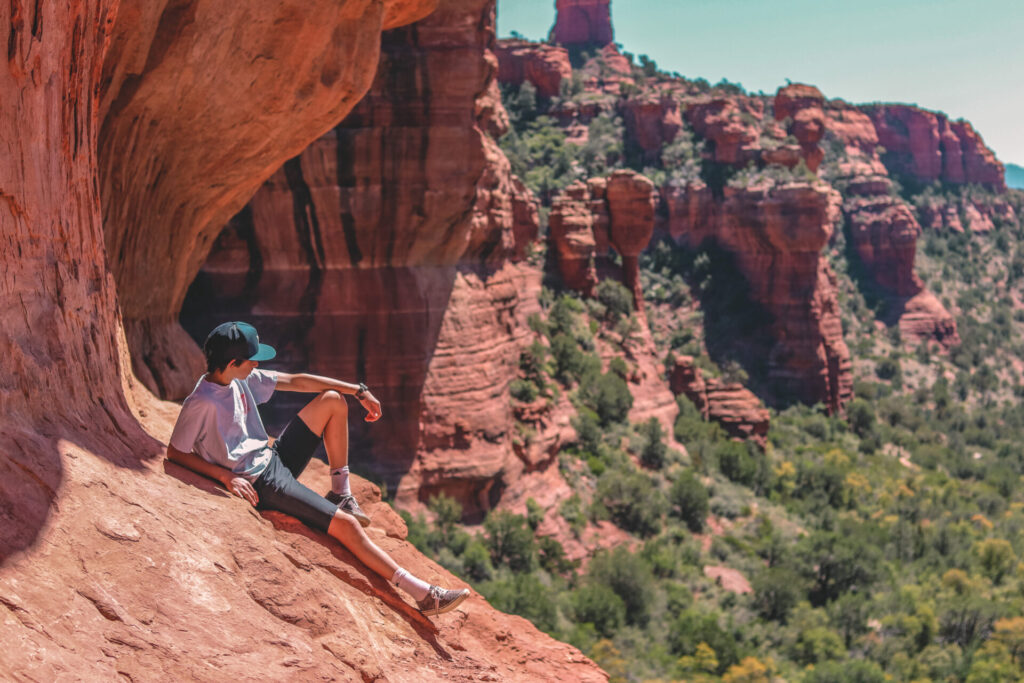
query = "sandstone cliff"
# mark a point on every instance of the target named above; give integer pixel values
(883, 230)
(776, 235)
(131, 156)
(407, 269)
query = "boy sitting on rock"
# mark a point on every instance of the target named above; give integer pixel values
(219, 434)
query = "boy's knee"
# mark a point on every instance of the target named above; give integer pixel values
(345, 524)
(334, 399)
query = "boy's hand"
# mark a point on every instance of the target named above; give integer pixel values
(372, 405)
(241, 487)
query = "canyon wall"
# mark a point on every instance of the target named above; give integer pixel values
(114, 564)
(776, 236)
(391, 252)
(174, 165)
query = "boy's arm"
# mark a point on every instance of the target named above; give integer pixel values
(314, 384)
(237, 485)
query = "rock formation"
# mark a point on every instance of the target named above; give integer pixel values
(174, 163)
(631, 200)
(730, 125)
(883, 232)
(404, 273)
(730, 404)
(571, 231)
(802, 107)
(544, 66)
(926, 146)
(651, 122)
(776, 235)
(588, 218)
(110, 565)
(583, 23)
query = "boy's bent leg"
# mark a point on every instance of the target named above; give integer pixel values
(327, 416)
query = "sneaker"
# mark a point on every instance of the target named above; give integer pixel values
(348, 504)
(440, 600)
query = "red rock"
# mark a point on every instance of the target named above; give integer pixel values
(571, 231)
(110, 566)
(736, 408)
(174, 163)
(403, 274)
(583, 22)
(802, 105)
(732, 137)
(922, 318)
(927, 147)
(776, 236)
(631, 200)
(651, 122)
(545, 66)
(884, 232)
(607, 72)
(729, 579)
(979, 162)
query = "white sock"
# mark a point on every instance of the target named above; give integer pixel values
(339, 481)
(417, 588)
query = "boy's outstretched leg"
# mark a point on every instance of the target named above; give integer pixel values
(429, 599)
(327, 415)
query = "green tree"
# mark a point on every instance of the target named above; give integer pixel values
(510, 540)
(689, 500)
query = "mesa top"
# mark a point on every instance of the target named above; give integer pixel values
(222, 425)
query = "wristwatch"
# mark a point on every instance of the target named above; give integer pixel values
(362, 391)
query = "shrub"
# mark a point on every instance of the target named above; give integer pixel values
(776, 592)
(525, 595)
(510, 540)
(616, 298)
(598, 604)
(607, 395)
(653, 451)
(629, 577)
(736, 462)
(523, 390)
(689, 499)
(692, 628)
(632, 501)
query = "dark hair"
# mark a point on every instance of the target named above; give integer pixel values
(216, 363)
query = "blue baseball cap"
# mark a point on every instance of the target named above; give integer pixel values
(236, 341)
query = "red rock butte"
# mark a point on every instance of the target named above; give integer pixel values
(583, 22)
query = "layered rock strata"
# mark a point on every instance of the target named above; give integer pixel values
(883, 231)
(589, 218)
(387, 252)
(582, 23)
(801, 107)
(740, 413)
(776, 235)
(174, 165)
(114, 564)
(544, 66)
(927, 146)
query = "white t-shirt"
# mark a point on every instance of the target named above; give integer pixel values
(222, 425)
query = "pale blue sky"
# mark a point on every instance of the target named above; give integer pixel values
(965, 58)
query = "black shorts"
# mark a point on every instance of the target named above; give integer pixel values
(277, 487)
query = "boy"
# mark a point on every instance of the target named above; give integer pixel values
(219, 434)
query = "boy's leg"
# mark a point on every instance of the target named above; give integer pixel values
(327, 416)
(430, 599)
